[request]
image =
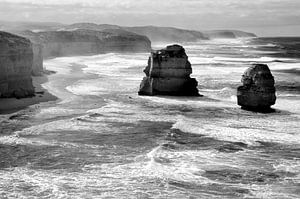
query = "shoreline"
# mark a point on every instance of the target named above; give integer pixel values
(50, 87)
(12, 105)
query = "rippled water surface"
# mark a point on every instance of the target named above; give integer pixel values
(102, 140)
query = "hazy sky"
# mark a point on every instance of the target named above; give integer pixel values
(264, 17)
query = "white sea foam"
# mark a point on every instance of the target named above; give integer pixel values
(260, 59)
(120, 112)
(54, 111)
(18, 140)
(249, 134)
(176, 166)
(284, 66)
(88, 87)
(62, 65)
(111, 64)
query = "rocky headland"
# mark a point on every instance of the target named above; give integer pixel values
(166, 34)
(168, 73)
(258, 91)
(87, 42)
(16, 61)
(154, 33)
(169, 34)
(227, 34)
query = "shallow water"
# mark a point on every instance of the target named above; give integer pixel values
(102, 140)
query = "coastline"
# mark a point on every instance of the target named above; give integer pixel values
(48, 88)
(12, 105)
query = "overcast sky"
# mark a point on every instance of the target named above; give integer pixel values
(264, 17)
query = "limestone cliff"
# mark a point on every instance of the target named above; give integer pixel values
(168, 73)
(258, 91)
(154, 33)
(87, 42)
(167, 34)
(37, 66)
(37, 47)
(16, 59)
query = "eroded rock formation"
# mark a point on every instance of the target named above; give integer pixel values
(37, 66)
(16, 59)
(168, 73)
(258, 91)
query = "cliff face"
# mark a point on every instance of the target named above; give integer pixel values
(258, 91)
(168, 73)
(37, 47)
(86, 42)
(16, 59)
(167, 34)
(37, 66)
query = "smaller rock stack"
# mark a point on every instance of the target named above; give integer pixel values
(168, 73)
(258, 91)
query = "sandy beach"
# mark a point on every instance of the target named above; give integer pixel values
(49, 88)
(11, 105)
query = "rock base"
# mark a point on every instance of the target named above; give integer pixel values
(169, 86)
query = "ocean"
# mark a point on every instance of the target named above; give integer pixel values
(102, 140)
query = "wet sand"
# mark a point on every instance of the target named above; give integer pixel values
(11, 105)
(48, 88)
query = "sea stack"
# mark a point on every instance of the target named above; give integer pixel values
(258, 90)
(168, 73)
(16, 59)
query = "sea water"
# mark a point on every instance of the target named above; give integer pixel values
(102, 140)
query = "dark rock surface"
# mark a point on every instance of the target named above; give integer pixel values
(168, 73)
(258, 90)
(16, 59)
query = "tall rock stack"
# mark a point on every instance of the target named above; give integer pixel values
(168, 73)
(258, 91)
(16, 59)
